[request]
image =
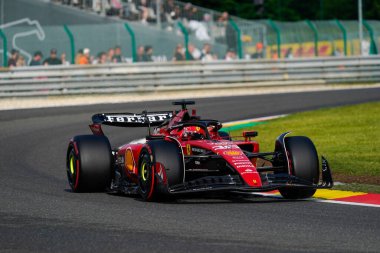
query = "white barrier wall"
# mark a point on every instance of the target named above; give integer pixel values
(121, 78)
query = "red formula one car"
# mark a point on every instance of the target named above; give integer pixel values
(186, 154)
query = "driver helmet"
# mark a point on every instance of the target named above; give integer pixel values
(193, 133)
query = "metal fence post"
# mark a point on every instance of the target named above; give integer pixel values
(133, 41)
(186, 35)
(158, 13)
(373, 48)
(315, 31)
(238, 35)
(278, 34)
(5, 48)
(344, 32)
(72, 43)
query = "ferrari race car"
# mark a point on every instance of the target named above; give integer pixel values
(185, 154)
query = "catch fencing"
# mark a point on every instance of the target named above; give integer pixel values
(153, 77)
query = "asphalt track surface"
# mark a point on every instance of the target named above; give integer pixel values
(38, 212)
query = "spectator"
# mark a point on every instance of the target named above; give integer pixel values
(52, 60)
(207, 55)
(300, 51)
(228, 31)
(231, 55)
(13, 59)
(117, 57)
(140, 54)
(37, 57)
(179, 54)
(274, 54)
(200, 28)
(115, 8)
(337, 52)
(64, 60)
(169, 7)
(195, 53)
(171, 13)
(96, 6)
(84, 59)
(224, 17)
(110, 54)
(20, 61)
(78, 56)
(176, 14)
(102, 58)
(259, 54)
(147, 11)
(148, 54)
(289, 53)
(190, 12)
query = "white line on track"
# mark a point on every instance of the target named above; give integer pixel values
(344, 202)
(275, 196)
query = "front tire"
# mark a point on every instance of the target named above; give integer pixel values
(167, 155)
(304, 165)
(89, 163)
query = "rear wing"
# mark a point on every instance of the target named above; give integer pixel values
(127, 119)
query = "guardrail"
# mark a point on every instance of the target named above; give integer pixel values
(150, 77)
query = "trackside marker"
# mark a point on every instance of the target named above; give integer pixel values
(368, 198)
(375, 198)
(335, 194)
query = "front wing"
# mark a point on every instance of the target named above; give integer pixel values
(234, 183)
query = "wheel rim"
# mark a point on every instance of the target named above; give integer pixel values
(72, 169)
(146, 180)
(144, 171)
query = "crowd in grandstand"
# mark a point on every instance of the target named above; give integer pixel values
(115, 55)
(144, 11)
(167, 12)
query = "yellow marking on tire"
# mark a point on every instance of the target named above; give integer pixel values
(72, 165)
(143, 171)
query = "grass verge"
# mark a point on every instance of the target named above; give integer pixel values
(348, 136)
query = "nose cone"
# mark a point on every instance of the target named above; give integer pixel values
(237, 159)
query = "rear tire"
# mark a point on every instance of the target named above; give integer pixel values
(89, 163)
(146, 176)
(304, 164)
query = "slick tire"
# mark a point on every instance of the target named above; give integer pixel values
(167, 154)
(89, 163)
(304, 164)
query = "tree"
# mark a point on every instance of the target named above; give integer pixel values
(293, 10)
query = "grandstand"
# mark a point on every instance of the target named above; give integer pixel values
(70, 26)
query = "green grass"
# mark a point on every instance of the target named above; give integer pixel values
(358, 187)
(348, 136)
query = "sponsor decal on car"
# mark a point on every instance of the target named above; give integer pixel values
(188, 149)
(160, 172)
(242, 162)
(129, 160)
(232, 152)
(137, 118)
(244, 166)
(198, 150)
(238, 158)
